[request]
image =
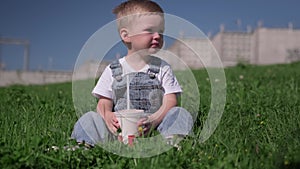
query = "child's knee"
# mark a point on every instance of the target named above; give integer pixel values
(180, 112)
(88, 116)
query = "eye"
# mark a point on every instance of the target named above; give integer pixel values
(149, 30)
(161, 32)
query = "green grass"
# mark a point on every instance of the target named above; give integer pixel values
(260, 127)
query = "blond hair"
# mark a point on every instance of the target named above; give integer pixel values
(132, 7)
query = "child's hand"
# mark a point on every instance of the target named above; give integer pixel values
(144, 126)
(111, 122)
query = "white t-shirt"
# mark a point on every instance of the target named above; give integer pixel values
(165, 76)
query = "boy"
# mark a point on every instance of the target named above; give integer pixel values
(153, 87)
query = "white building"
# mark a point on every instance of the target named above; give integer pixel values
(261, 46)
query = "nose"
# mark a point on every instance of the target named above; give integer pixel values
(157, 35)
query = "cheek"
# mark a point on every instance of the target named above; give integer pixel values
(161, 45)
(147, 39)
(161, 41)
(143, 37)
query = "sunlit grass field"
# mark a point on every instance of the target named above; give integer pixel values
(260, 126)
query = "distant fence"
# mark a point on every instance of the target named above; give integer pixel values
(39, 77)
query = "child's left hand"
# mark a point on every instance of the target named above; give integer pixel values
(144, 126)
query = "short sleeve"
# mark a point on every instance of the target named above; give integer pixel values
(169, 81)
(103, 86)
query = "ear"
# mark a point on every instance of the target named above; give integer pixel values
(125, 35)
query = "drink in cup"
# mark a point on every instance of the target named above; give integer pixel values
(128, 123)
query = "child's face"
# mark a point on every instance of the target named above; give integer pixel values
(146, 32)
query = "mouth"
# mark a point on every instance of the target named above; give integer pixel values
(154, 45)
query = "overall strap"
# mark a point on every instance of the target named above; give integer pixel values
(154, 67)
(116, 69)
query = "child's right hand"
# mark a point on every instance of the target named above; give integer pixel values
(111, 122)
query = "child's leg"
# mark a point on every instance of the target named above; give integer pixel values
(91, 129)
(178, 121)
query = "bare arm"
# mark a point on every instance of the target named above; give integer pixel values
(104, 108)
(169, 101)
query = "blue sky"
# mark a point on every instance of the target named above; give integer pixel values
(58, 29)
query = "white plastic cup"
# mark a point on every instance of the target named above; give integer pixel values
(128, 122)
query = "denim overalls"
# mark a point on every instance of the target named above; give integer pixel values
(146, 93)
(145, 90)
